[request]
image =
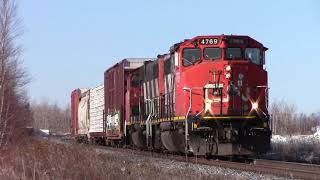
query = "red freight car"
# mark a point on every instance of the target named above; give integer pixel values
(74, 112)
(115, 91)
(79, 113)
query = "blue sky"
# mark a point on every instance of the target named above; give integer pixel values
(69, 44)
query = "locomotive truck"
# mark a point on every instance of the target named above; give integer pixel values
(207, 96)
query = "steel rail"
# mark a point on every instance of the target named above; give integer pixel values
(278, 168)
(262, 166)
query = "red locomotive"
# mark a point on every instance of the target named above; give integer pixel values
(207, 96)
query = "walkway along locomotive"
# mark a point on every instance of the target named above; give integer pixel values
(207, 96)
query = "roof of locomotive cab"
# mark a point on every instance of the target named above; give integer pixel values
(186, 41)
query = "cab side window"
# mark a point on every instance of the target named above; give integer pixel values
(253, 54)
(190, 56)
(233, 53)
(212, 53)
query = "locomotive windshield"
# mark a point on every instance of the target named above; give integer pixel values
(190, 56)
(233, 53)
(253, 54)
(212, 53)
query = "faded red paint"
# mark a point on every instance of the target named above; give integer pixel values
(75, 96)
(133, 93)
(114, 83)
(161, 74)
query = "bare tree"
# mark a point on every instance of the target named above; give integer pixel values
(51, 116)
(287, 121)
(13, 78)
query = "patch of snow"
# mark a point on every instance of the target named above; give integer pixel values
(317, 134)
(278, 139)
(46, 131)
(297, 138)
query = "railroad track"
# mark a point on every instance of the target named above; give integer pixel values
(279, 168)
(294, 170)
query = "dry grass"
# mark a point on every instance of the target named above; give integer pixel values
(40, 159)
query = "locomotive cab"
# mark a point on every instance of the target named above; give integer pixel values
(223, 87)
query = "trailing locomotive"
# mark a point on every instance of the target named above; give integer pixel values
(207, 96)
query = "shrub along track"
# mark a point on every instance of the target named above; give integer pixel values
(279, 168)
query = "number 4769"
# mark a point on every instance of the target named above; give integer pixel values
(209, 41)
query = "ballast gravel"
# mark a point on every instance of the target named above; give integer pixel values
(172, 166)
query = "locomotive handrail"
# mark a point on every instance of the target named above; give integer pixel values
(157, 111)
(266, 92)
(186, 118)
(149, 119)
(148, 129)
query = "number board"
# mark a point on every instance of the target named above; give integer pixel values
(209, 41)
(236, 41)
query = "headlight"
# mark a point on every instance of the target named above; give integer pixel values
(255, 105)
(228, 75)
(228, 68)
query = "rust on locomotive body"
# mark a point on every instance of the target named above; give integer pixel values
(207, 96)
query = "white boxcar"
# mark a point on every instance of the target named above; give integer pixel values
(96, 110)
(83, 113)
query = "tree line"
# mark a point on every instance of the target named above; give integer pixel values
(50, 116)
(287, 121)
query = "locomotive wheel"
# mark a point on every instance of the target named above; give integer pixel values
(138, 138)
(173, 141)
(157, 140)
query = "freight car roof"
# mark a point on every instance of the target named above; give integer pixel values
(132, 63)
(139, 59)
